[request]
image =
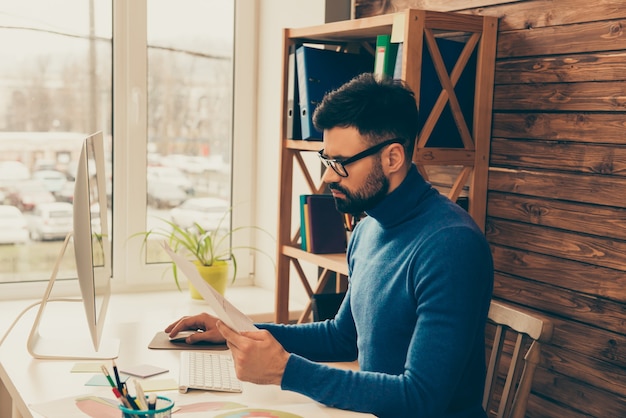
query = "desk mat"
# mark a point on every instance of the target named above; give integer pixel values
(161, 341)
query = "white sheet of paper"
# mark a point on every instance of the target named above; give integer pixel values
(224, 310)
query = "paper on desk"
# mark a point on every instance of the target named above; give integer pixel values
(224, 310)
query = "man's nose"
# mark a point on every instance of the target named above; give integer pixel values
(330, 176)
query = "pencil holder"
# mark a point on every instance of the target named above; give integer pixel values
(163, 409)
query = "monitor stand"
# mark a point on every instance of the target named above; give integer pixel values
(67, 347)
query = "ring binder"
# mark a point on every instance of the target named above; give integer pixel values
(320, 71)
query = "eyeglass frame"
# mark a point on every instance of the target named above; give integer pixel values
(333, 163)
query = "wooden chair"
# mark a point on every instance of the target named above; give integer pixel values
(529, 332)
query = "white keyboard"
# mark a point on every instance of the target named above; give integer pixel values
(207, 371)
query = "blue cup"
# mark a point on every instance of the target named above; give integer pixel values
(163, 409)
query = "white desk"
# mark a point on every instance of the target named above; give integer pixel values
(134, 319)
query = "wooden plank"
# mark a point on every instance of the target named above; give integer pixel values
(594, 250)
(598, 343)
(589, 96)
(540, 407)
(483, 113)
(451, 22)
(517, 14)
(582, 158)
(585, 188)
(303, 145)
(571, 68)
(284, 231)
(606, 221)
(592, 311)
(566, 39)
(541, 13)
(334, 262)
(443, 175)
(364, 8)
(561, 273)
(601, 374)
(576, 127)
(413, 51)
(444, 156)
(458, 187)
(578, 395)
(345, 30)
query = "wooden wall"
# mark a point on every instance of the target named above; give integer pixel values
(556, 216)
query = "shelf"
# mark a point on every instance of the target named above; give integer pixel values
(459, 171)
(444, 156)
(333, 262)
(303, 145)
(365, 29)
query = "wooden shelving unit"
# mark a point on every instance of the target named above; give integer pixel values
(458, 171)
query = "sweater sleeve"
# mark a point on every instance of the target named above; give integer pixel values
(328, 341)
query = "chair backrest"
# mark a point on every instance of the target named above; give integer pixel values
(527, 332)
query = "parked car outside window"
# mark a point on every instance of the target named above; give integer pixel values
(207, 212)
(51, 221)
(171, 175)
(165, 195)
(28, 194)
(13, 225)
(52, 180)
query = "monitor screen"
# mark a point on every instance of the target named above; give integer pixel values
(92, 252)
(91, 234)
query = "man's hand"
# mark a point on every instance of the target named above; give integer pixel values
(258, 357)
(203, 322)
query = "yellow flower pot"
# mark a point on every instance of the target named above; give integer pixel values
(215, 275)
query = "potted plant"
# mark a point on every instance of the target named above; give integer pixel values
(210, 250)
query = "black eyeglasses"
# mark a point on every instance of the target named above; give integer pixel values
(339, 166)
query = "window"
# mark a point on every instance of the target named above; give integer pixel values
(167, 119)
(56, 84)
(190, 61)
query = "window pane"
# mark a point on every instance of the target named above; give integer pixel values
(190, 73)
(55, 89)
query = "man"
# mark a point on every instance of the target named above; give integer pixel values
(420, 272)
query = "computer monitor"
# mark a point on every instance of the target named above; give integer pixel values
(92, 252)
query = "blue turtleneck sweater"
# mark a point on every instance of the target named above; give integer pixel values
(420, 283)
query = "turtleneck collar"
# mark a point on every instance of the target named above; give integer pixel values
(403, 201)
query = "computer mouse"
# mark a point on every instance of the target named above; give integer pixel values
(182, 336)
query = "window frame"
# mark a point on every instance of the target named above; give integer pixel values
(130, 71)
(129, 270)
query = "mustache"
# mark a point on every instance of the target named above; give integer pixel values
(337, 187)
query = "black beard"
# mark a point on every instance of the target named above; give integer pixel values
(368, 196)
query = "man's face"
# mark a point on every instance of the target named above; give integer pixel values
(366, 184)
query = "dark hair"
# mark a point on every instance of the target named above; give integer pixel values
(379, 109)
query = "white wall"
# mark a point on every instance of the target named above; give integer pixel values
(274, 15)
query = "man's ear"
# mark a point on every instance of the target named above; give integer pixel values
(395, 157)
